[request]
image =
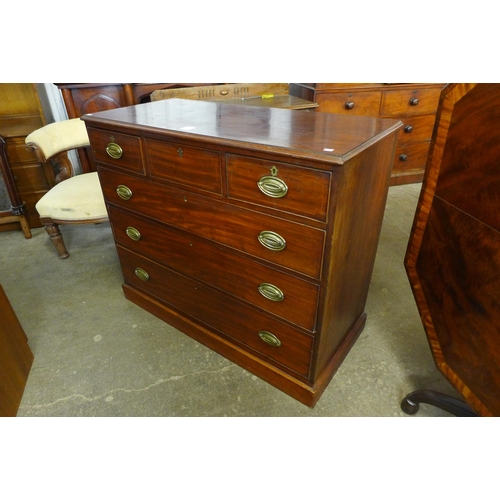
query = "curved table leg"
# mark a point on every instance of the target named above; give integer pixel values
(410, 403)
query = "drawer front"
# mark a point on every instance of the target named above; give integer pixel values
(410, 102)
(190, 166)
(290, 188)
(416, 128)
(278, 293)
(356, 103)
(220, 312)
(30, 177)
(235, 227)
(17, 152)
(119, 150)
(411, 157)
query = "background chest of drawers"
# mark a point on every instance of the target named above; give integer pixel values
(20, 114)
(253, 230)
(414, 104)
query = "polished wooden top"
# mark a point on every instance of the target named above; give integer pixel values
(323, 136)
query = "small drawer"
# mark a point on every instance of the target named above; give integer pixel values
(410, 102)
(119, 150)
(282, 186)
(17, 152)
(280, 344)
(285, 243)
(30, 177)
(186, 165)
(411, 157)
(251, 281)
(356, 103)
(416, 128)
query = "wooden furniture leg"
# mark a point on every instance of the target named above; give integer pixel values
(56, 237)
(25, 226)
(410, 403)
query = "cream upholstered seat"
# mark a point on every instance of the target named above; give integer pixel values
(75, 199)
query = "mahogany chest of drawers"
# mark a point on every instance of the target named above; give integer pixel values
(415, 104)
(253, 230)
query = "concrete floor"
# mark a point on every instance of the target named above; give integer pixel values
(97, 354)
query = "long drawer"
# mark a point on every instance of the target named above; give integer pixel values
(272, 340)
(288, 244)
(288, 297)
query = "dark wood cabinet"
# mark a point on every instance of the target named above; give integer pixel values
(21, 114)
(453, 257)
(414, 104)
(251, 229)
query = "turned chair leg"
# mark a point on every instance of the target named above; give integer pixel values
(56, 237)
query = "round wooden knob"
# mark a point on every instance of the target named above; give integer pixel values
(413, 101)
(349, 105)
(403, 157)
(408, 129)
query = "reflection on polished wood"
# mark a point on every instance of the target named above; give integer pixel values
(267, 95)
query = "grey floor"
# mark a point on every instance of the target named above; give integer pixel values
(97, 354)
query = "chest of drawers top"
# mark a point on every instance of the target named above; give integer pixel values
(326, 137)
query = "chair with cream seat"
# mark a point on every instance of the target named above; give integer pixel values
(75, 199)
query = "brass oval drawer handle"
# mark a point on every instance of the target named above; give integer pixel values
(269, 338)
(271, 292)
(272, 186)
(272, 240)
(133, 233)
(114, 150)
(124, 192)
(141, 274)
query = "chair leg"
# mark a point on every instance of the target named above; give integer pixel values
(25, 226)
(56, 237)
